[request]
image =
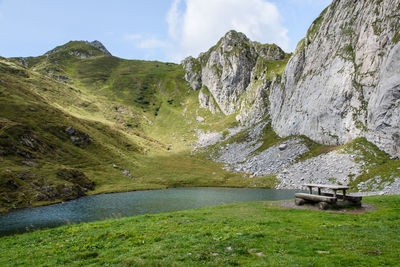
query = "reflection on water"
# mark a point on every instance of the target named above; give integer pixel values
(99, 207)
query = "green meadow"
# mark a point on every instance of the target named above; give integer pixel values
(245, 234)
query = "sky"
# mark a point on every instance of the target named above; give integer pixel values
(164, 30)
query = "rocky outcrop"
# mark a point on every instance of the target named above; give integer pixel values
(100, 46)
(343, 80)
(234, 68)
(206, 100)
(77, 137)
(192, 72)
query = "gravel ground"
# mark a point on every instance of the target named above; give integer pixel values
(330, 168)
(386, 188)
(237, 152)
(211, 138)
(335, 167)
(207, 139)
(272, 159)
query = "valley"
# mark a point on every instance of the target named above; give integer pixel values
(78, 121)
(124, 159)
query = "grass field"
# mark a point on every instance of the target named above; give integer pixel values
(245, 234)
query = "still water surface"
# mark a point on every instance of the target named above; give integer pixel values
(100, 207)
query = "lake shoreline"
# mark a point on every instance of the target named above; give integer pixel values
(127, 204)
(47, 203)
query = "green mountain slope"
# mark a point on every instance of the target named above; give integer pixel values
(141, 96)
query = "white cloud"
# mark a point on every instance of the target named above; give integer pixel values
(202, 23)
(174, 19)
(151, 42)
(145, 41)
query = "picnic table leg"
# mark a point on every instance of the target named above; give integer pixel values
(319, 191)
(344, 194)
(334, 192)
(310, 189)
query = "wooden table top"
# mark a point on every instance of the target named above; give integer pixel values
(330, 186)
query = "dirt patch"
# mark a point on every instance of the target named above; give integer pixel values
(353, 210)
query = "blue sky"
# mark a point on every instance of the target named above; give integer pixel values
(165, 30)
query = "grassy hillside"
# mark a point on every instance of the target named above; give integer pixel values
(36, 152)
(246, 234)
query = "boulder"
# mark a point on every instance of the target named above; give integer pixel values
(282, 146)
(77, 137)
(128, 173)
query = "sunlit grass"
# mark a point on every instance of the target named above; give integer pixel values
(245, 234)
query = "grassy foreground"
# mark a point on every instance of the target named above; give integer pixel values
(250, 234)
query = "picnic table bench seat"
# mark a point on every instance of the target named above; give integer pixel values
(316, 198)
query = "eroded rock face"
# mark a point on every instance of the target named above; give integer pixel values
(232, 76)
(193, 72)
(344, 78)
(206, 100)
(384, 106)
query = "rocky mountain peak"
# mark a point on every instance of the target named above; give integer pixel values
(224, 72)
(233, 39)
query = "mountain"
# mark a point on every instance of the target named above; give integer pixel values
(342, 82)
(78, 121)
(340, 89)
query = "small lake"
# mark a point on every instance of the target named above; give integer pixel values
(116, 205)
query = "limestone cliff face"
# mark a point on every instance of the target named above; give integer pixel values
(232, 75)
(343, 80)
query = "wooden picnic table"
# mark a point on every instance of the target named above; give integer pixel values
(325, 198)
(334, 188)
